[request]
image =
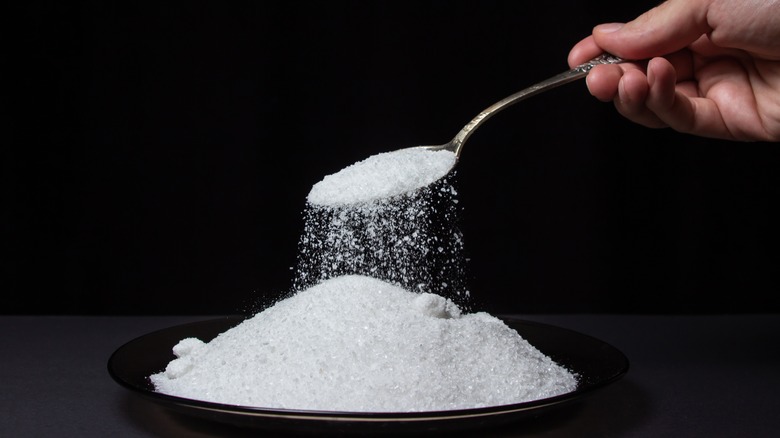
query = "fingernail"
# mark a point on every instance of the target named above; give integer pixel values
(608, 27)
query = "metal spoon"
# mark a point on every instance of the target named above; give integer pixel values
(456, 144)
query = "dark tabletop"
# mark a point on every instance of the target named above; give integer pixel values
(689, 376)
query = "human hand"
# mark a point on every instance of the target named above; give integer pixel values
(713, 69)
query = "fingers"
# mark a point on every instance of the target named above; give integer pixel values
(637, 95)
(678, 104)
(664, 29)
(603, 80)
(646, 94)
(661, 81)
(631, 99)
(670, 89)
(583, 52)
(663, 102)
(656, 99)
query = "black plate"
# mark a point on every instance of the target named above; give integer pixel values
(595, 362)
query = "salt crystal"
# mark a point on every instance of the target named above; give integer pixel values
(187, 346)
(355, 343)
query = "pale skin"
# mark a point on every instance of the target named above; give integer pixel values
(708, 67)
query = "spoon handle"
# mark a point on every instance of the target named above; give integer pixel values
(575, 73)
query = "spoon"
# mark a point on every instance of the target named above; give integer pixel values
(456, 144)
(381, 176)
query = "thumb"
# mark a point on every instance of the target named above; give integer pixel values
(664, 29)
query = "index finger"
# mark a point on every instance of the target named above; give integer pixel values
(584, 51)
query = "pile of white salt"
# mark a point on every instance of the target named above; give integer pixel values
(355, 343)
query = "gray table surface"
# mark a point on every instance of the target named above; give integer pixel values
(689, 376)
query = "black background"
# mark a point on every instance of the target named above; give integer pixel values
(157, 157)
